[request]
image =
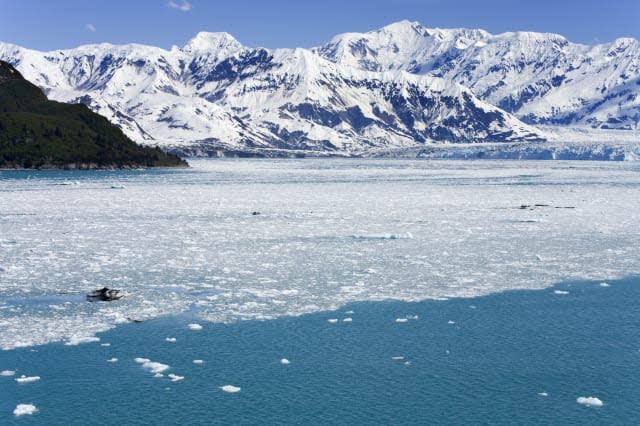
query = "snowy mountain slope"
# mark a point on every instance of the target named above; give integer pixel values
(214, 93)
(541, 78)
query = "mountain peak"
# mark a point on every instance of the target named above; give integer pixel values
(207, 43)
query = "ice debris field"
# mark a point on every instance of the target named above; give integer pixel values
(234, 240)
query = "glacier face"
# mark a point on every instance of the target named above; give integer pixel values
(399, 87)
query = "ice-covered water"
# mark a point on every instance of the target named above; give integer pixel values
(258, 239)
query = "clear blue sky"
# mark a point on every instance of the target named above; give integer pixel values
(53, 24)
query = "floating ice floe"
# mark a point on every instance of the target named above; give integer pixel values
(22, 409)
(451, 322)
(77, 340)
(198, 361)
(106, 345)
(230, 389)
(27, 379)
(285, 361)
(349, 313)
(543, 394)
(402, 236)
(332, 320)
(589, 401)
(113, 360)
(348, 319)
(402, 320)
(560, 292)
(175, 377)
(154, 367)
(397, 358)
(605, 285)
(194, 326)
(170, 339)
(7, 373)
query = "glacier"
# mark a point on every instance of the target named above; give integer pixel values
(397, 89)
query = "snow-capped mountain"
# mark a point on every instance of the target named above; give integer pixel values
(541, 78)
(398, 87)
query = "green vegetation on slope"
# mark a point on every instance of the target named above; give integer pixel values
(36, 132)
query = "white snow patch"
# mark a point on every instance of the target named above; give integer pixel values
(589, 401)
(7, 373)
(27, 379)
(194, 326)
(22, 409)
(230, 389)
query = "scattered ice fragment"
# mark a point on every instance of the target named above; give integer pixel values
(7, 373)
(22, 409)
(77, 340)
(332, 320)
(158, 375)
(114, 359)
(472, 306)
(106, 345)
(194, 326)
(170, 339)
(175, 377)
(230, 388)
(397, 358)
(155, 367)
(198, 361)
(141, 360)
(285, 361)
(538, 258)
(414, 317)
(589, 401)
(447, 352)
(118, 186)
(451, 322)
(402, 320)
(27, 379)
(349, 312)
(407, 363)
(543, 394)
(560, 292)
(605, 285)
(348, 319)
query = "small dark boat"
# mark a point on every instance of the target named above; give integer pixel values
(105, 295)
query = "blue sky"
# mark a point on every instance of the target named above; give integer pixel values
(53, 24)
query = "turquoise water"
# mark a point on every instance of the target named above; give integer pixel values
(487, 368)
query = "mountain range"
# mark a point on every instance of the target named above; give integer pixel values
(402, 86)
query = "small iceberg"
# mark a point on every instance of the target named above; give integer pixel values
(543, 394)
(78, 340)
(348, 319)
(451, 322)
(285, 361)
(7, 373)
(560, 292)
(198, 361)
(589, 401)
(402, 320)
(170, 339)
(175, 377)
(230, 389)
(332, 320)
(105, 294)
(117, 186)
(194, 326)
(22, 409)
(27, 379)
(113, 360)
(154, 367)
(397, 358)
(604, 285)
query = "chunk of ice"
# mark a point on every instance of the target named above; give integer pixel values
(175, 377)
(22, 409)
(401, 320)
(560, 292)
(348, 319)
(332, 320)
(7, 373)
(198, 361)
(77, 340)
(194, 326)
(230, 388)
(285, 361)
(605, 285)
(113, 360)
(543, 394)
(27, 379)
(170, 339)
(589, 401)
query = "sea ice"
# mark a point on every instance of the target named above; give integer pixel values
(7, 373)
(198, 361)
(22, 409)
(543, 394)
(170, 339)
(78, 340)
(589, 401)
(560, 292)
(401, 320)
(230, 388)
(451, 322)
(141, 360)
(397, 358)
(348, 319)
(332, 320)
(285, 361)
(605, 285)
(106, 345)
(194, 327)
(27, 379)
(175, 377)
(113, 360)
(155, 367)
